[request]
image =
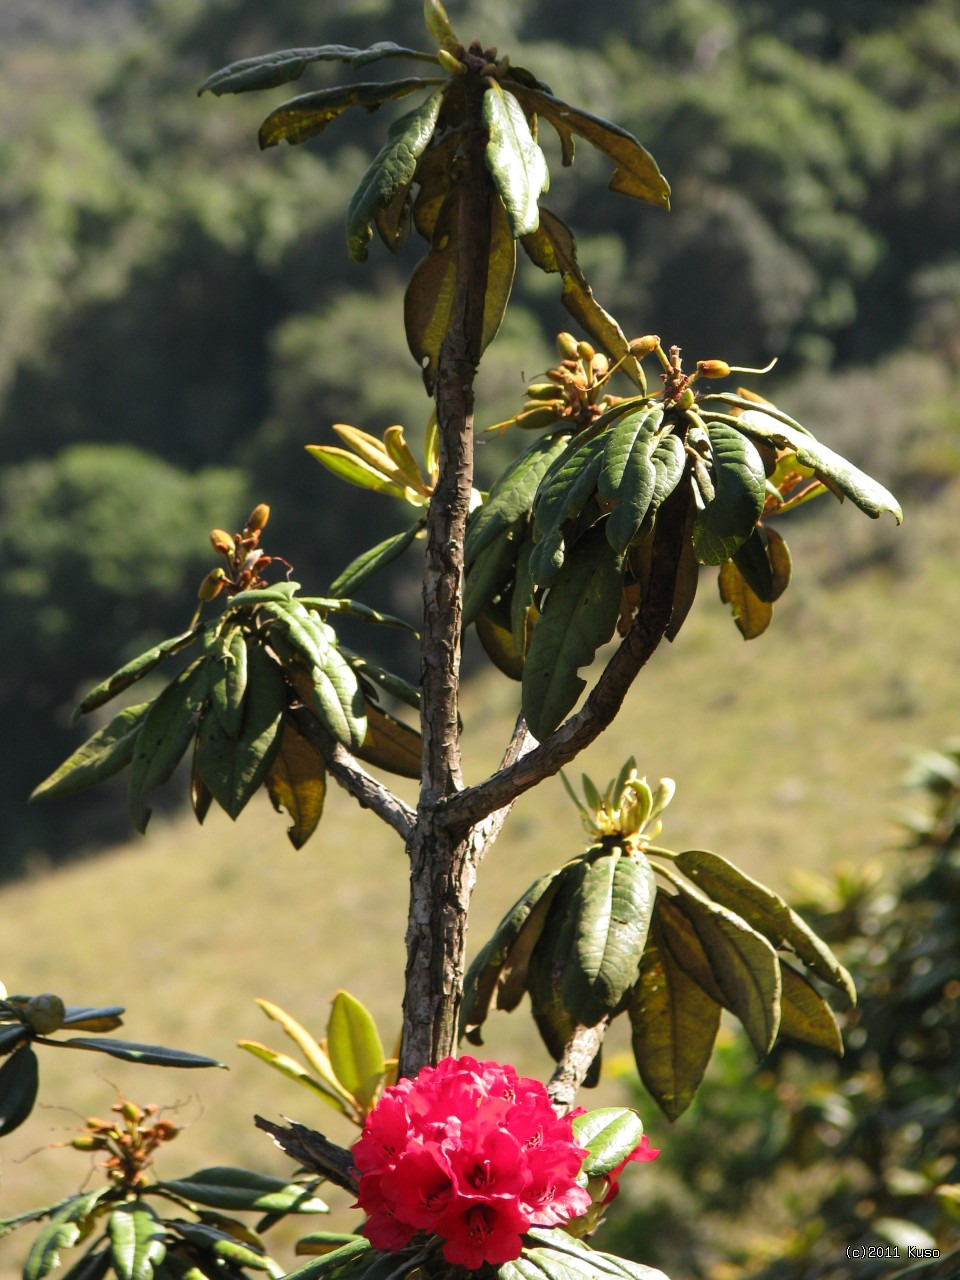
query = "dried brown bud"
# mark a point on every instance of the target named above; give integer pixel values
(258, 517)
(713, 368)
(643, 346)
(222, 542)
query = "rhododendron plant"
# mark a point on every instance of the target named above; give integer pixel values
(470, 1152)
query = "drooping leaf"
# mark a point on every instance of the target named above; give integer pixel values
(91, 1018)
(223, 1187)
(268, 70)
(164, 736)
(137, 1241)
(102, 756)
(63, 1230)
(628, 476)
(356, 1053)
(391, 172)
(152, 1054)
(612, 917)
(674, 1024)
(861, 489)
(307, 116)
(367, 563)
(315, 1055)
(390, 744)
(552, 248)
(766, 912)
(751, 614)
(135, 670)
(229, 1253)
(428, 301)
(19, 1080)
(499, 646)
(296, 781)
(636, 172)
(296, 1071)
(489, 571)
(731, 512)
(754, 566)
(610, 1135)
(228, 680)
(578, 616)
(338, 700)
(515, 161)
(93, 1265)
(435, 179)
(805, 1015)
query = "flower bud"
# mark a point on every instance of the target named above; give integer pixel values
(713, 368)
(86, 1142)
(258, 517)
(585, 351)
(541, 415)
(542, 391)
(567, 346)
(130, 1112)
(222, 542)
(450, 63)
(45, 1013)
(643, 346)
(212, 584)
(599, 365)
(686, 400)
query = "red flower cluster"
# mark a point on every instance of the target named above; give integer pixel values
(471, 1152)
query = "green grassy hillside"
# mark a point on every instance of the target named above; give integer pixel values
(787, 752)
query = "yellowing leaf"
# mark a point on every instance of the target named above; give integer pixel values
(297, 782)
(751, 614)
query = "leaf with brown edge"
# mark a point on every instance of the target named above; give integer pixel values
(636, 173)
(751, 614)
(390, 744)
(781, 562)
(297, 782)
(308, 115)
(201, 797)
(552, 248)
(674, 1025)
(805, 1015)
(428, 302)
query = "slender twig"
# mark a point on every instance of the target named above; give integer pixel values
(571, 1071)
(344, 769)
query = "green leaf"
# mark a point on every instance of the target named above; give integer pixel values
(553, 248)
(135, 670)
(228, 679)
(636, 172)
(307, 116)
(628, 476)
(766, 912)
(861, 489)
(516, 163)
(356, 1053)
(269, 70)
(564, 491)
(367, 563)
(751, 613)
(391, 172)
(610, 1135)
(297, 781)
(674, 1024)
(601, 1264)
(316, 1057)
(348, 1259)
(155, 1055)
(294, 1070)
(354, 609)
(510, 501)
(731, 512)
(489, 572)
(19, 1079)
(805, 1015)
(579, 615)
(104, 754)
(338, 700)
(347, 466)
(428, 301)
(438, 24)
(311, 637)
(612, 917)
(137, 1241)
(229, 1252)
(233, 769)
(323, 1242)
(63, 1230)
(164, 736)
(223, 1187)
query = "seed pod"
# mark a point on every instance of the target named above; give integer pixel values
(86, 1142)
(258, 517)
(540, 415)
(643, 346)
(130, 1112)
(212, 584)
(45, 1013)
(599, 365)
(222, 542)
(713, 368)
(585, 351)
(542, 391)
(567, 346)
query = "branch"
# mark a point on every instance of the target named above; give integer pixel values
(571, 1070)
(314, 1152)
(344, 769)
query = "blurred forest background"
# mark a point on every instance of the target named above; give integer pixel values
(178, 315)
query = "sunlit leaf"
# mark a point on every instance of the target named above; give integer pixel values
(438, 24)
(365, 565)
(152, 1054)
(295, 1071)
(805, 1015)
(269, 70)
(628, 476)
(391, 172)
(104, 754)
(164, 736)
(751, 614)
(137, 1241)
(135, 670)
(307, 116)
(316, 1057)
(62, 1231)
(610, 1135)
(224, 1187)
(296, 781)
(228, 680)
(356, 1053)
(516, 163)
(355, 470)
(510, 500)
(731, 511)
(564, 491)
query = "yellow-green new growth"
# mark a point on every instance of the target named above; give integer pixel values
(629, 808)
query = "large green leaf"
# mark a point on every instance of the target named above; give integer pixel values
(428, 301)
(307, 116)
(228, 679)
(137, 1241)
(612, 917)
(104, 754)
(565, 490)
(731, 512)
(349, 1259)
(164, 736)
(515, 161)
(155, 1055)
(234, 768)
(338, 700)
(308, 634)
(368, 562)
(490, 569)
(510, 500)
(19, 1079)
(579, 615)
(766, 912)
(552, 248)
(223, 1187)
(63, 1230)
(805, 1015)
(585, 1260)
(135, 670)
(610, 1135)
(356, 1053)
(674, 1025)
(636, 172)
(268, 70)
(229, 1254)
(391, 172)
(863, 490)
(628, 476)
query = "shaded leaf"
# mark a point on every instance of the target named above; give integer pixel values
(297, 781)
(564, 491)
(19, 1080)
(164, 736)
(499, 646)
(268, 70)
(229, 1252)
(92, 1266)
(516, 163)
(135, 670)
(490, 570)
(732, 510)
(102, 756)
(435, 178)
(578, 616)
(91, 1018)
(223, 1187)
(751, 560)
(610, 1135)
(307, 116)
(391, 172)
(137, 1241)
(751, 614)
(228, 680)
(805, 1015)
(368, 562)
(390, 744)
(353, 1044)
(152, 1054)
(510, 500)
